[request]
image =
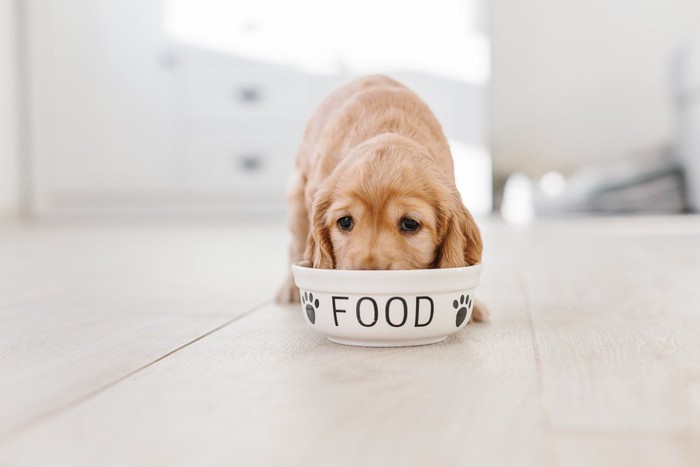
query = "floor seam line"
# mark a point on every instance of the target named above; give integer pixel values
(95, 392)
(536, 353)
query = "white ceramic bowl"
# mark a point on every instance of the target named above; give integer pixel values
(387, 308)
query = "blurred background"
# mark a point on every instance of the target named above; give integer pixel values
(138, 108)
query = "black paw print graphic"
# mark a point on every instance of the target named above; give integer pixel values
(465, 303)
(311, 306)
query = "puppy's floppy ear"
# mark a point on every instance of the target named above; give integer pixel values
(460, 243)
(319, 249)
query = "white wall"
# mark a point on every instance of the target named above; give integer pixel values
(9, 173)
(582, 81)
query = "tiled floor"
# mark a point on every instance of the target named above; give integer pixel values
(159, 345)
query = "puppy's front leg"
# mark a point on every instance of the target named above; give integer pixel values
(480, 312)
(298, 219)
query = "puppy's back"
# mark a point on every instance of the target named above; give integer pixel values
(362, 109)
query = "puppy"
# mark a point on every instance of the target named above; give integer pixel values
(373, 187)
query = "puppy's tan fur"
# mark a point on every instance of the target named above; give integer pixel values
(375, 152)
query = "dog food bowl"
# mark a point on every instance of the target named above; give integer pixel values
(387, 308)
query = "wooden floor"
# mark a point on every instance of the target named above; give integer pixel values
(159, 345)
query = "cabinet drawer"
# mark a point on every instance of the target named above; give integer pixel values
(218, 94)
(247, 169)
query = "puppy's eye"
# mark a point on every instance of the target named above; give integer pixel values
(409, 225)
(345, 223)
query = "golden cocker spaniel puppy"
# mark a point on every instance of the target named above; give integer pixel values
(373, 187)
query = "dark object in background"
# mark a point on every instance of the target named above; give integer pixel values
(641, 184)
(686, 93)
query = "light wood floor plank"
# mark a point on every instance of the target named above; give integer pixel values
(49, 361)
(592, 356)
(267, 391)
(83, 306)
(617, 327)
(164, 269)
(613, 451)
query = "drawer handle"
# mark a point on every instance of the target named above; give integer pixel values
(251, 163)
(248, 94)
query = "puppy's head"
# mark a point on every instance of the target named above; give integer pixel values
(387, 207)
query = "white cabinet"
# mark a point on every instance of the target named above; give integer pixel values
(252, 169)
(242, 124)
(122, 117)
(222, 95)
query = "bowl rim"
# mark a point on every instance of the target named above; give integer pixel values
(384, 282)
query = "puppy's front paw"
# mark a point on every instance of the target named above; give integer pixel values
(480, 313)
(288, 292)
